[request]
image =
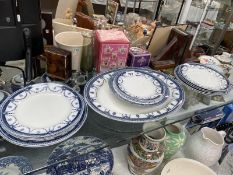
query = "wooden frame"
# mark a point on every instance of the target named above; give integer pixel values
(111, 11)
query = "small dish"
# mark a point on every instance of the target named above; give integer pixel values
(183, 166)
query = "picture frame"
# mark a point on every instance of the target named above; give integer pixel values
(111, 11)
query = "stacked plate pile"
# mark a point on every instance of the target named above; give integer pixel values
(202, 79)
(41, 115)
(134, 95)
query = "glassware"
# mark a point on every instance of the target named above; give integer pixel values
(87, 62)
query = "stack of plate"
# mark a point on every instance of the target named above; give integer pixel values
(41, 115)
(202, 79)
(134, 95)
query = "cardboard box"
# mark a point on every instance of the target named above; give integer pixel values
(111, 50)
(138, 57)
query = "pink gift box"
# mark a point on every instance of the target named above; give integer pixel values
(111, 48)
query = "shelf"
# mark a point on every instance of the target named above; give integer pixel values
(107, 130)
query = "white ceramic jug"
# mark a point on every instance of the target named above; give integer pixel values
(205, 146)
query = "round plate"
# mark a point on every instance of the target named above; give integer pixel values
(100, 98)
(90, 159)
(14, 165)
(46, 142)
(202, 77)
(224, 58)
(3, 96)
(150, 91)
(41, 110)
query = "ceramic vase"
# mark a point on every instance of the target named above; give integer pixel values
(146, 152)
(205, 146)
(175, 138)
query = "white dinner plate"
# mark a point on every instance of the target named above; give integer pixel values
(101, 99)
(138, 87)
(42, 113)
(202, 77)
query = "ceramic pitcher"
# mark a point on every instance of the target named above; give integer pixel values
(175, 138)
(205, 146)
(146, 152)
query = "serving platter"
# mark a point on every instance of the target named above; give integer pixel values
(138, 87)
(41, 110)
(101, 99)
(202, 77)
(16, 165)
(84, 157)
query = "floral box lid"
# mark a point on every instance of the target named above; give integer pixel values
(111, 36)
(138, 51)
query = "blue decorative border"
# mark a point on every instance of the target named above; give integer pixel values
(178, 75)
(178, 93)
(153, 101)
(74, 97)
(35, 144)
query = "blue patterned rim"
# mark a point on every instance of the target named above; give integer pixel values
(10, 124)
(160, 98)
(177, 102)
(92, 159)
(34, 143)
(5, 95)
(181, 77)
(21, 162)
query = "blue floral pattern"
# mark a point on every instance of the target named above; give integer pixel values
(20, 162)
(92, 159)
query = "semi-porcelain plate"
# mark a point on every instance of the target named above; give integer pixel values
(41, 110)
(138, 87)
(101, 99)
(202, 77)
(14, 165)
(85, 157)
(34, 143)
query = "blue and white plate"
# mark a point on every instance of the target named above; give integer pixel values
(46, 142)
(89, 158)
(138, 87)
(41, 111)
(3, 96)
(202, 78)
(14, 165)
(100, 98)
